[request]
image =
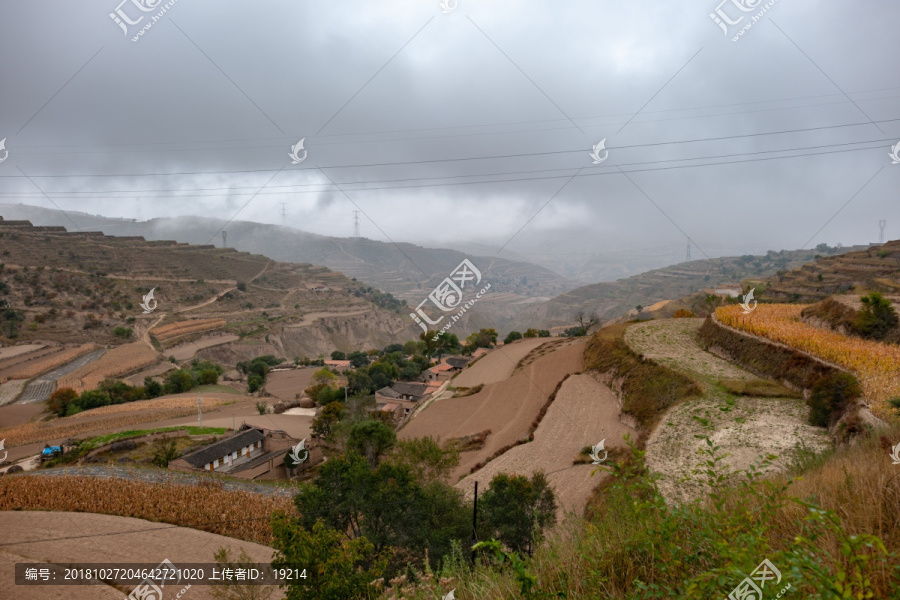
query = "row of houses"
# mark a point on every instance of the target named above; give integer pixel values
(402, 397)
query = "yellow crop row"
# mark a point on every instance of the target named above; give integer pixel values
(48, 363)
(876, 365)
(173, 330)
(115, 363)
(237, 514)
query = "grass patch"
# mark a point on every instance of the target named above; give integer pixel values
(759, 388)
(648, 388)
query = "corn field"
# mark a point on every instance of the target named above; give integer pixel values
(876, 365)
(174, 330)
(27, 371)
(236, 514)
(117, 362)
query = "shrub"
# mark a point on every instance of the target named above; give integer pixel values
(123, 332)
(830, 396)
(513, 336)
(262, 407)
(683, 313)
(876, 318)
(165, 449)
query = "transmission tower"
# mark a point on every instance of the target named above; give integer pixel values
(283, 214)
(882, 225)
(688, 259)
(224, 239)
(356, 223)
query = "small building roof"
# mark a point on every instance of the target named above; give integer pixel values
(389, 392)
(441, 367)
(457, 362)
(208, 454)
(337, 363)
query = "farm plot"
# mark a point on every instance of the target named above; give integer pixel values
(186, 351)
(174, 330)
(41, 388)
(33, 367)
(671, 342)
(498, 364)
(117, 362)
(507, 408)
(10, 390)
(284, 385)
(138, 378)
(584, 412)
(11, 351)
(744, 427)
(875, 363)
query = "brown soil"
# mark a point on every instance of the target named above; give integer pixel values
(498, 364)
(507, 407)
(106, 540)
(584, 412)
(285, 384)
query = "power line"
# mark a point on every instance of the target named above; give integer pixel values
(470, 158)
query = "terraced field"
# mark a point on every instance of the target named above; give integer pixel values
(10, 391)
(584, 412)
(174, 330)
(745, 427)
(115, 363)
(41, 388)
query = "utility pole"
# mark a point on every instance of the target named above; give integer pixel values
(356, 223)
(233, 426)
(224, 239)
(688, 259)
(345, 395)
(283, 214)
(199, 412)
(475, 523)
(882, 225)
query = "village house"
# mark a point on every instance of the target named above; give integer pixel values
(457, 363)
(407, 394)
(339, 365)
(441, 372)
(251, 453)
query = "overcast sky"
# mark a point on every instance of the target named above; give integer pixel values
(474, 124)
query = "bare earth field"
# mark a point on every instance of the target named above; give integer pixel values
(507, 407)
(584, 412)
(10, 390)
(138, 378)
(91, 538)
(186, 351)
(41, 361)
(744, 427)
(285, 384)
(10, 351)
(498, 364)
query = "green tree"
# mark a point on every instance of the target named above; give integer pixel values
(513, 336)
(337, 568)
(830, 396)
(530, 333)
(152, 388)
(484, 338)
(371, 439)
(358, 359)
(425, 458)
(254, 383)
(179, 381)
(516, 510)
(331, 414)
(877, 317)
(338, 355)
(165, 450)
(386, 506)
(208, 377)
(543, 333)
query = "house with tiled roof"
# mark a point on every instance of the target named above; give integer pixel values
(407, 394)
